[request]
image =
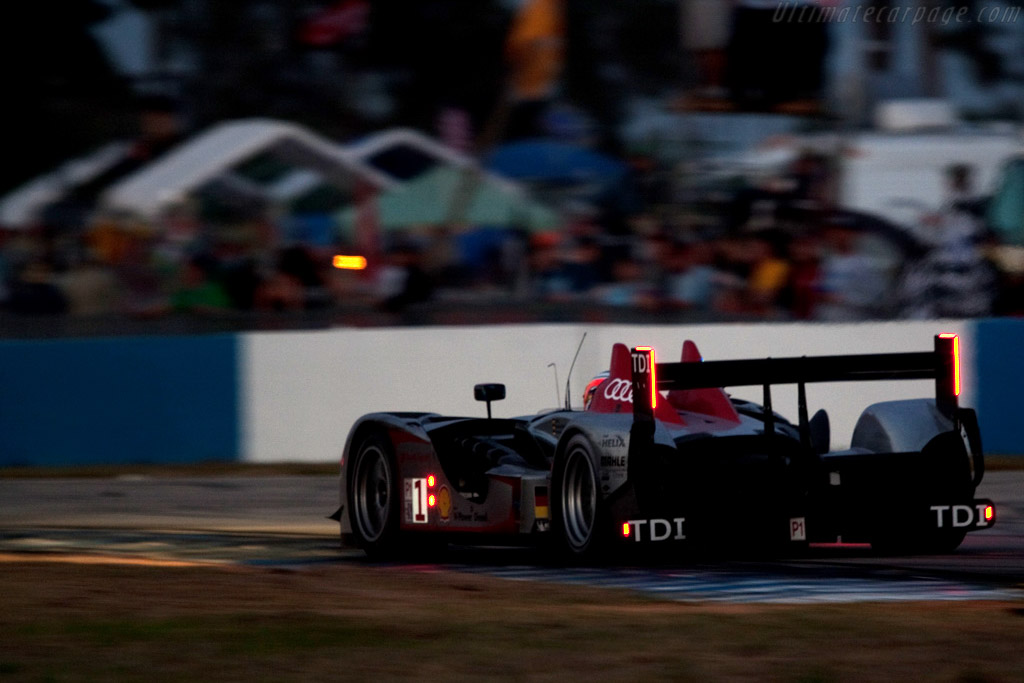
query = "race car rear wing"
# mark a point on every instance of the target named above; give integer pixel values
(941, 364)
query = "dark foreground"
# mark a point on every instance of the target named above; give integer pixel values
(70, 618)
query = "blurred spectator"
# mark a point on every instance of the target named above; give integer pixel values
(34, 291)
(482, 257)
(813, 181)
(705, 29)
(280, 291)
(90, 287)
(627, 288)
(581, 265)
(734, 262)
(5, 269)
(299, 263)
(148, 274)
(198, 292)
(404, 282)
(954, 279)
(549, 279)
(534, 54)
(768, 276)
(802, 289)
(692, 282)
(851, 287)
(441, 257)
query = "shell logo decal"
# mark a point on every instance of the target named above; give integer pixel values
(444, 503)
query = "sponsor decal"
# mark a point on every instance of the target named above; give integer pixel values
(798, 529)
(654, 529)
(613, 441)
(960, 516)
(613, 461)
(474, 516)
(444, 503)
(619, 390)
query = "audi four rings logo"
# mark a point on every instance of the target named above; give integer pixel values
(619, 390)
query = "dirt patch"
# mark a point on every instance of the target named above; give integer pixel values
(73, 621)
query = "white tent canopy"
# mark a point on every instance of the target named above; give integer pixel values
(212, 155)
(21, 207)
(378, 143)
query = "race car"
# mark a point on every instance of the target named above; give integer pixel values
(662, 457)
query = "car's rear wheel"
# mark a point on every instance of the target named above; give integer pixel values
(577, 510)
(373, 496)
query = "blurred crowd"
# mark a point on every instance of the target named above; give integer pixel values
(777, 248)
(780, 252)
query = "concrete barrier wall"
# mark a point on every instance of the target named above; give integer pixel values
(120, 400)
(292, 396)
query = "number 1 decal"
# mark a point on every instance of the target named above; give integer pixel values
(416, 501)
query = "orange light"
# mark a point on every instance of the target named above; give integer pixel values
(625, 529)
(431, 480)
(956, 361)
(990, 512)
(344, 262)
(431, 500)
(654, 378)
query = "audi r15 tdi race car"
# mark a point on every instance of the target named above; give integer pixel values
(662, 457)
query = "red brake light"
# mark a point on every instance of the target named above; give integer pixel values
(956, 361)
(990, 512)
(625, 529)
(654, 378)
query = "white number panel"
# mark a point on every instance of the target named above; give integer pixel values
(416, 501)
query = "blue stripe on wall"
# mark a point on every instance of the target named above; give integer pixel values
(119, 400)
(999, 367)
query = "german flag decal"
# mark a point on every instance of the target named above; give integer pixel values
(540, 502)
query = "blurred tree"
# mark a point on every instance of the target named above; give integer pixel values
(62, 95)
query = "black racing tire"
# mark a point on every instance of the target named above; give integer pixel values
(373, 497)
(577, 508)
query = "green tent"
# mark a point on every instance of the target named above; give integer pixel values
(427, 200)
(1006, 209)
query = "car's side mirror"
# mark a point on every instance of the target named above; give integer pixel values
(489, 392)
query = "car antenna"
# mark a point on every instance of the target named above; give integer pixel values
(558, 399)
(568, 404)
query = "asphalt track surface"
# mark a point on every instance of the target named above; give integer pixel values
(281, 522)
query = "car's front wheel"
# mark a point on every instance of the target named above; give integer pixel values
(373, 496)
(577, 512)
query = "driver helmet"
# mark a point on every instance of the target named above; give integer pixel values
(592, 385)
